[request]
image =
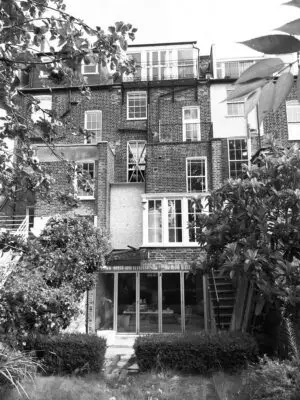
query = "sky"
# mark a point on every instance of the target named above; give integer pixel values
(207, 21)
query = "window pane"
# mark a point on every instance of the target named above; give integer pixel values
(293, 111)
(86, 187)
(238, 155)
(196, 175)
(137, 105)
(136, 161)
(174, 220)
(154, 221)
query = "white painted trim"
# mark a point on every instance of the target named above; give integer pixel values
(186, 173)
(75, 180)
(88, 65)
(191, 121)
(127, 107)
(228, 153)
(165, 226)
(127, 156)
(99, 136)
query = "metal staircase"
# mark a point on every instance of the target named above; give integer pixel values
(222, 295)
(15, 224)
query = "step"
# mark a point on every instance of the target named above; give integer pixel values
(223, 307)
(224, 300)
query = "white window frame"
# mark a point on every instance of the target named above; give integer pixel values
(188, 159)
(185, 228)
(44, 74)
(186, 122)
(194, 214)
(293, 125)
(242, 65)
(161, 221)
(93, 63)
(82, 196)
(142, 93)
(236, 160)
(240, 101)
(38, 114)
(98, 133)
(176, 227)
(138, 163)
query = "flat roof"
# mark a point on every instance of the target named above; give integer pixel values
(161, 44)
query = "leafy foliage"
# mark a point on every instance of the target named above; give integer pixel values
(57, 268)
(14, 368)
(69, 251)
(24, 27)
(278, 77)
(202, 353)
(271, 380)
(253, 228)
(67, 353)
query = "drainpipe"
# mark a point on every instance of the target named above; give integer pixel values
(87, 313)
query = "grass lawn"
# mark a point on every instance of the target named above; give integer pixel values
(167, 386)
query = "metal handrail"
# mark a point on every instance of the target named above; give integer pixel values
(217, 298)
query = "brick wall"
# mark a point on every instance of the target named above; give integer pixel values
(121, 152)
(166, 165)
(62, 183)
(105, 176)
(276, 123)
(174, 254)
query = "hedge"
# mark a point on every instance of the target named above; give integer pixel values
(67, 353)
(202, 352)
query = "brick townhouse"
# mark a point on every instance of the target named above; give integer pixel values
(156, 141)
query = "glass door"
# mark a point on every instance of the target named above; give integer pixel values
(171, 302)
(149, 303)
(194, 303)
(126, 321)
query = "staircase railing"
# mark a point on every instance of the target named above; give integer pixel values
(23, 228)
(217, 299)
(16, 224)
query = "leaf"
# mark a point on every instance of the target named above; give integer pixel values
(266, 100)
(295, 3)
(282, 89)
(252, 101)
(244, 89)
(274, 44)
(298, 85)
(261, 69)
(292, 28)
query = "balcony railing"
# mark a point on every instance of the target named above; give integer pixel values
(183, 69)
(15, 224)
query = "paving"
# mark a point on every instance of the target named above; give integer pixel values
(119, 358)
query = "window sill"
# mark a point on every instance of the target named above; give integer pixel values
(192, 244)
(234, 116)
(85, 198)
(137, 119)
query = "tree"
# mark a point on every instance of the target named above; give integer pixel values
(268, 82)
(24, 26)
(56, 269)
(253, 227)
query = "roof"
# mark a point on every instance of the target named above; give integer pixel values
(162, 44)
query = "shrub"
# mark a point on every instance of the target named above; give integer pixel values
(272, 380)
(201, 353)
(14, 367)
(68, 353)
